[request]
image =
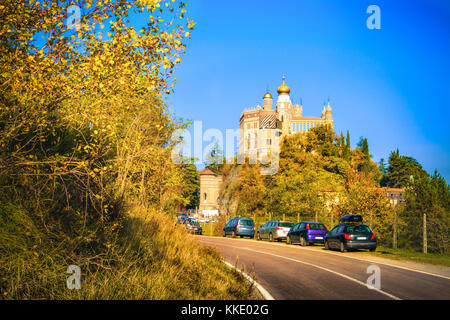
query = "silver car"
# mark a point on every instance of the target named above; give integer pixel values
(274, 230)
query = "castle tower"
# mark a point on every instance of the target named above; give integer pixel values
(328, 112)
(284, 107)
(267, 102)
(298, 110)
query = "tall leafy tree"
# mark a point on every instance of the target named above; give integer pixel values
(402, 171)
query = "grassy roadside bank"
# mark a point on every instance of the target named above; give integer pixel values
(151, 258)
(383, 252)
(414, 256)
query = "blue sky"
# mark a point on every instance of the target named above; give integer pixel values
(391, 86)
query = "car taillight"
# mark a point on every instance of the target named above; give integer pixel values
(346, 236)
(307, 226)
(373, 236)
(276, 229)
(254, 228)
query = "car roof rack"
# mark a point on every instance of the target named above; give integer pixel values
(351, 218)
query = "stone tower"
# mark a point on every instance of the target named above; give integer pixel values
(284, 108)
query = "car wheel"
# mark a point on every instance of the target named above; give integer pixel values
(271, 237)
(302, 242)
(342, 247)
(258, 237)
(224, 234)
(233, 234)
(288, 240)
(327, 247)
(372, 250)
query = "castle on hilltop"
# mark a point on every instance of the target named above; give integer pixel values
(260, 127)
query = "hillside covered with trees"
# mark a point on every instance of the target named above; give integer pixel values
(321, 179)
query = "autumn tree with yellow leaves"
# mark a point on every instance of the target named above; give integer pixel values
(85, 137)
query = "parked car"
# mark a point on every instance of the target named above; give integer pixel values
(274, 230)
(307, 233)
(351, 218)
(242, 227)
(350, 236)
(193, 226)
(181, 216)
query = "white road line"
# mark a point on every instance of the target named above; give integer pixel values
(360, 259)
(319, 267)
(260, 288)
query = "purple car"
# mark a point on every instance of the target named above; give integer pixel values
(307, 233)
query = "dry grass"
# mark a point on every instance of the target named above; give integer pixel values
(150, 258)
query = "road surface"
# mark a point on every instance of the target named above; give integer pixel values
(292, 272)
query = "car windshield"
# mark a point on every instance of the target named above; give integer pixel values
(286, 224)
(360, 228)
(246, 222)
(317, 226)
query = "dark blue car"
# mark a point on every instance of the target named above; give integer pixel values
(307, 233)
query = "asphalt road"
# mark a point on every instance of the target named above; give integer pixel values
(297, 273)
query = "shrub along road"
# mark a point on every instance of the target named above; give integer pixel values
(293, 272)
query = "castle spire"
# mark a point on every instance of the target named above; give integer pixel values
(284, 89)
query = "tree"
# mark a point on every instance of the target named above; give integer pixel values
(382, 166)
(363, 197)
(215, 159)
(84, 130)
(310, 167)
(427, 198)
(347, 149)
(402, 170)
(191, 186)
